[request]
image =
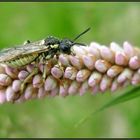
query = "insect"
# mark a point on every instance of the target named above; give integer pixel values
(25, 54)
(43, 50)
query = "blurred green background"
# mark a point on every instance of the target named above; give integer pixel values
(56, 117)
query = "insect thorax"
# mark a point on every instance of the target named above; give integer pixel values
(50, 40)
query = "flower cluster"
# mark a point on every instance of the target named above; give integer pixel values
(95, 68)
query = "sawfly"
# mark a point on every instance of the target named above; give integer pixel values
(43, 50)
(20, 56)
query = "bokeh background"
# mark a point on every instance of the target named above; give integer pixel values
(56, 117)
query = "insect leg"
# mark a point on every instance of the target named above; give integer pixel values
(42, 59)
(46, 65)
(23, 85)
(46, 59)
(44, 73)
(59, 66)
(35, 71)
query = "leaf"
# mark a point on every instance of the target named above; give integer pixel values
(128, 95)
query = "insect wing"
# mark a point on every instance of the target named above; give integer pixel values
(12, 53)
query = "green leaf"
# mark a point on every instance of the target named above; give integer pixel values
(128, 95)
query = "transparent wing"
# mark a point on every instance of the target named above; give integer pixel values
(12, 53)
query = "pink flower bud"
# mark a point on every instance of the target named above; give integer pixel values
(54, 92)
(56, 72)
(94, 50)
(22, 75)
(135, 79)
(114, 71)
(105, 83)
(10, 94)
(82, 75)
(16, 85)
(121, 59)
(70, 73)
(63, 90)
(94, 79)
(37, 81)
(79, 50)
(116, 48)
(107, 54)
(102, 65)
(64, 60)
(84, 88)
(28, 92)
(30, 67)
(95, 90)
(76, 62)
(89, 61)
(115, 85)
(134, 62)
(50, 83)
(42, 67)
(128, 49)
(12, 72)
(5, 80)
(41, 92)
(125, 75)
(2, 96)
(73, 89)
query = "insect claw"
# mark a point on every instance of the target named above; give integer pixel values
(59, 65)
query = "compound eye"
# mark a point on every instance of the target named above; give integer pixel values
(64, 48)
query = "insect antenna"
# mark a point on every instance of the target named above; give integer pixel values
(80, 36)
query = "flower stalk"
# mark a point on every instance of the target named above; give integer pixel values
(94, 68)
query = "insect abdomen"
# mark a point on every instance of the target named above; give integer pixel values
(21, 61)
